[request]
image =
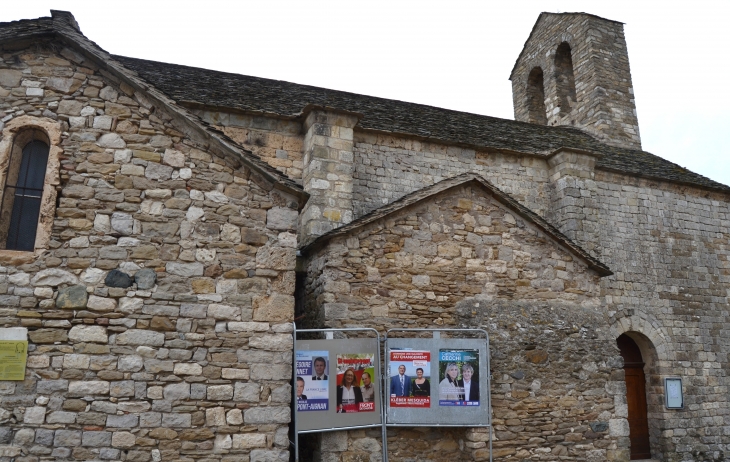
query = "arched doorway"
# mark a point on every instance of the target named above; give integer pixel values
(635, 397)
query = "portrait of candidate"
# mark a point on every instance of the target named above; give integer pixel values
(400, 385)
(319, 365)
(421, 386)
(450, 388)
(471, 388)
(300, 389)
(348, 395)
(367, 389)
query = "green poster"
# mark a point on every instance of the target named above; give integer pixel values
(13, 354)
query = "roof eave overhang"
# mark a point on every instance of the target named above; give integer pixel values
(547, 155)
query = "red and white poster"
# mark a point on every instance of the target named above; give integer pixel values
(355, 383)
(410, 378)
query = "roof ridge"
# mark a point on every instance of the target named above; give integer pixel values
(266, 79)
(380, 98)
(67, 17)
(226, 91)
(19, 21)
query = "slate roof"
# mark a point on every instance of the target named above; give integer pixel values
(257, 95)
(459, 180)
(184, 84)
(63, 27)
(26, 27)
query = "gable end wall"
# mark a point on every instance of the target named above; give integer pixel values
(460, 260)
(191, 360)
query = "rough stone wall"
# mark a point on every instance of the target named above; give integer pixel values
(389, 167)
(160, 316)
(460, 260)
(669, 247)
(276, 141)
(604, 103)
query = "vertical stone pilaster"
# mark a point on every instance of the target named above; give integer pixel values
(328, 168)
(573, 207)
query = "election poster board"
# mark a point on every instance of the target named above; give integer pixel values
(345, 391)
(454, 373)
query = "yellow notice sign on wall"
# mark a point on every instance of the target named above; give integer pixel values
(13, 354)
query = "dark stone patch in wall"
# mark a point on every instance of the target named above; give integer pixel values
(116, 278)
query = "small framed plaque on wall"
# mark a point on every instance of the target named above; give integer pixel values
(673, 396)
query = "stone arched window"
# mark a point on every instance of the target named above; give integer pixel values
(29, 153)
(536, 97)
(564, 78)
(21, 195)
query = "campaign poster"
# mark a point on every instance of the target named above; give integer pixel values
(312, 380)
(459, 374)
(356, 382)
(410, 378)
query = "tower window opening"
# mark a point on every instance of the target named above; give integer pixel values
(536, 97)
(564, 78)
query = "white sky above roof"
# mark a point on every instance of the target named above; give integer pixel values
(454, 54)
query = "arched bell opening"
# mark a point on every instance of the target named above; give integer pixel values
(565, 78)
(536, 97)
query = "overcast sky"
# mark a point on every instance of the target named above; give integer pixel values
(453, 54)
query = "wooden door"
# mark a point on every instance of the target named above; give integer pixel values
(635, 398)
(638, 423)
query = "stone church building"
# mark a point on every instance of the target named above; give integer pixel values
(162, 227)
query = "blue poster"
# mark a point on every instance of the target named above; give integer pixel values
(459, 371)
(312, 380)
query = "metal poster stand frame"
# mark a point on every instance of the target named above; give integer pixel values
(329, 335)
(437, 335)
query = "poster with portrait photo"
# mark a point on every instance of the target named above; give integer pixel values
(459, 378)
(312, 382)
(355, 382)
(410, 378)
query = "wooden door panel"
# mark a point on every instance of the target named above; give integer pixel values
(638, 423)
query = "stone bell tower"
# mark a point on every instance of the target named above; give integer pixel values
(574, 70)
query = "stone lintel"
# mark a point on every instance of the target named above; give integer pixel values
(17, 257)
